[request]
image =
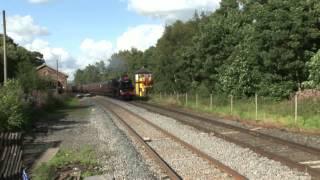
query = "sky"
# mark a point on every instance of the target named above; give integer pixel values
(82, 32)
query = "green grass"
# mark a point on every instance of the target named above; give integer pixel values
(85, 159)
(270, 111)
(71, 102)
(61, 102)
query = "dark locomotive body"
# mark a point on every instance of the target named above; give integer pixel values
(122, 88)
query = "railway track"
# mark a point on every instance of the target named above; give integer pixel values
(177, 159)
(294, 155)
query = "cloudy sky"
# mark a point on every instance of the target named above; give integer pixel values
(81, 32)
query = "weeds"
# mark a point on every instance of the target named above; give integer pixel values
(270, 111)
(84, 159)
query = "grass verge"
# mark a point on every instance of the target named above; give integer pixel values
(271, 112)
(64, 163)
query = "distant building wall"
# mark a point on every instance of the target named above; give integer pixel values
(50, 73)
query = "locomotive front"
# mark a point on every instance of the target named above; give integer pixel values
(126, 89)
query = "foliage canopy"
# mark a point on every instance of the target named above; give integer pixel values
(244, 47)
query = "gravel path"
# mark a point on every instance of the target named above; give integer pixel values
(241, 159)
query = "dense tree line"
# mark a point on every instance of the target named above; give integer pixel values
(244, 47)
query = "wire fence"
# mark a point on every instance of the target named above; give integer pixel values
(296, 112)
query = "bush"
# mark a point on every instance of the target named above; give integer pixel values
(29, 79)
(314, 76)
(203, 91)
(12, 106)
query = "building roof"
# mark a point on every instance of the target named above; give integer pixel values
(45, 65)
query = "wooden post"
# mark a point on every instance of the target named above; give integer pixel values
(211, 101)
(57, 76)
(197, 100)
(256, 102)
(231, 104)
(186, 99)
(178, 98)
(296, 108)
(4, 47)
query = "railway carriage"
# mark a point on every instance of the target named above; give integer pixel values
(120, 88)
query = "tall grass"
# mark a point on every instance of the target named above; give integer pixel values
(270, 111)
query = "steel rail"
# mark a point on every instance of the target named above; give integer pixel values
(201, 154)
(306, 148)
(301, 167)
(154, 155)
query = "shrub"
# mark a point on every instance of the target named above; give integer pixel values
(12, 106)
(203, 91)
(314, 76)
(29, 79)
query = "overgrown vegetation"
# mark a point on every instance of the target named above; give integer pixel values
(271, 112)
(12, 106)
(25, 92)
(65, 160)
(314, 69)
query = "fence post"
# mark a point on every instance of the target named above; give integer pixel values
(186, 99)
(211, 103)
(256, 102)
(295, 108)
(197, 100)
(231, 104)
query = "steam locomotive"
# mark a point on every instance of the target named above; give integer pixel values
(119, 88)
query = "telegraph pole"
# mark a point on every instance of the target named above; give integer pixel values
(57, 76)
(4, 47)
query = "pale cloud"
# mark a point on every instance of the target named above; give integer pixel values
(171, 10)
(140, 37)
(67, 63)
(96, 49)
(23, 29)
(93, 51)
(38, 1)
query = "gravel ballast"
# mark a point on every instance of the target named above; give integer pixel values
(243, 160)
(125, 161)
(183, 161)
(308, 139)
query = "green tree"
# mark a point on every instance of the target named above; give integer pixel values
(314, 72)
(15, 55)
(28, 78)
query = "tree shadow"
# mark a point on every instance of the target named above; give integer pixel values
(36, 141)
